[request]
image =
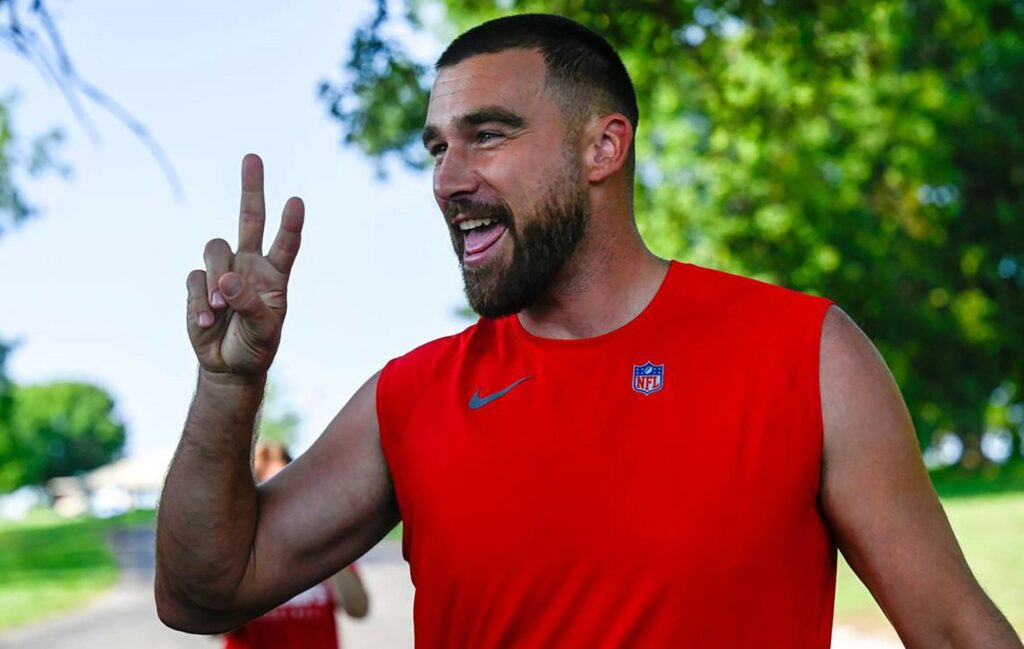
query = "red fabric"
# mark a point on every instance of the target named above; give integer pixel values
(576, 511)
(304, 622)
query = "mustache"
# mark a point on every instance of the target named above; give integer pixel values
(497, 210)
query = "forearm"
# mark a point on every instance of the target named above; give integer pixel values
(981, 625)
(208, 510)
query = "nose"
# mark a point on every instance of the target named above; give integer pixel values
(454, 175)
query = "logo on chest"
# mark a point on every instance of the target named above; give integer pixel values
(648, 378)
(479, 401)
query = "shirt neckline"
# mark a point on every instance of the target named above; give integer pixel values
(675, 269)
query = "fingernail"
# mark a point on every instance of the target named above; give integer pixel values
(217, 299)
(205, 319)
(232, 286)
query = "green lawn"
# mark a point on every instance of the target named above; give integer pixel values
(49, 565)
(991, 532)
(395, 534)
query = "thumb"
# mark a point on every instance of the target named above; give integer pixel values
(242, 298)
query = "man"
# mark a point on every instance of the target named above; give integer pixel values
(623, 452)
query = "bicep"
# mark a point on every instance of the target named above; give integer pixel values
(876, 495)
(325, 509)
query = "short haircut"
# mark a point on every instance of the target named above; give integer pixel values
(582, 68)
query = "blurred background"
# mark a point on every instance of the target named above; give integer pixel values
(872, 152)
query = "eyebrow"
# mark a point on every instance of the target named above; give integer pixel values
(485, 115)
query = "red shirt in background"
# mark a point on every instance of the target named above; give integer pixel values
(306, 621)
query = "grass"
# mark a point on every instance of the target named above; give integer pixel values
(991, 532)
(395, 534)
(49, 565)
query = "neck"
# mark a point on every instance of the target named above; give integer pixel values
(602, 288)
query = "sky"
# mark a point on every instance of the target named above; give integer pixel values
(94, 286)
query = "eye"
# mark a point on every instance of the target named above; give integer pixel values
(437, 149)
(485, 137)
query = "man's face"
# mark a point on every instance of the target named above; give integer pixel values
(505, 178)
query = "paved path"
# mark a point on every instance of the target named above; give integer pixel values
(125, 618)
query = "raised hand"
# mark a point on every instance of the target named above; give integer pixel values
(236, 307)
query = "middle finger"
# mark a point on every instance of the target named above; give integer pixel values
(218, 257)
(253, 211)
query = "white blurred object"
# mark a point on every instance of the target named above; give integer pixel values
(997, 445)
(15, 505)
(110, 501)
(139, 479)
(846, 638)
(69, 496)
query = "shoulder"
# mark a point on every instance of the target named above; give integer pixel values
(858, 391)
(432, 355)
(708, 284)
(747, 309)
(850, 363)
(865, 422)
(412, 371)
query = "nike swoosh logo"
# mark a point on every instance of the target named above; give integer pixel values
(477, 401)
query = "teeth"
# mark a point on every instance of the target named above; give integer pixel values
(469, 224)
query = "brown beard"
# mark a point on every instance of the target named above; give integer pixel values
(539, 252)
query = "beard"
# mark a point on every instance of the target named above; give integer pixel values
(540, 250)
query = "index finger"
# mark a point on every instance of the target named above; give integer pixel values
(286, 244)
(252, 212)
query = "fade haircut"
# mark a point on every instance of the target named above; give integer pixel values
(584, 72)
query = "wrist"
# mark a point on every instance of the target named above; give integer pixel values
(231, 380)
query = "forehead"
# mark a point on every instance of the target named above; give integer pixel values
(512, 79)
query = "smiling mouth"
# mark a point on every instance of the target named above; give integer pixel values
(479, 237)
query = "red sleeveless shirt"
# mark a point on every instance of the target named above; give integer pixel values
(653, 487)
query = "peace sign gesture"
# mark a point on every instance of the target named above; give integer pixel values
(236, 307)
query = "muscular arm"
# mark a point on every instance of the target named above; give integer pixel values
(882, 509)
(227, 550)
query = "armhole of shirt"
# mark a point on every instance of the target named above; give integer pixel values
(383, 420)
(824, 305)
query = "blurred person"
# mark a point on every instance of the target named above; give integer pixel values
(622, 452)
(306, 621)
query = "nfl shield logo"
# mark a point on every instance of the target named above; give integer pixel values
(648, 378)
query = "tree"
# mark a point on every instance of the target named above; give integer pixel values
(16, 160)
(57, 429)
(28, 29)
(278, 423)
(865, 151)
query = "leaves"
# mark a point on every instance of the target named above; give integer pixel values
(381, 100)
(15, 161)
(57, 429)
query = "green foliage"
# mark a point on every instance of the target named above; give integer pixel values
(6, 387)
(955, 482)
(16, 162)
(277, 422)
(279, 429)
(380, 75)
(50, 565)
(870, 152)
(16, 159)
(57, 429)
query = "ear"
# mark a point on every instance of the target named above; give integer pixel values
(607, 141)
